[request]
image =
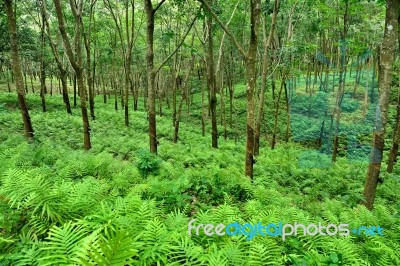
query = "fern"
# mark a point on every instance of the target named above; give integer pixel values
(30, 255)
(156, 243)
(215, 257)
(185, 252)
(114, 248)
(63, 244)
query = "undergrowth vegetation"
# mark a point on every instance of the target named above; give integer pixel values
(119, 205)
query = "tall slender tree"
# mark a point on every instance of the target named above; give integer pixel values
(265, 65)
(386, 61)
(126, 36)
(87, 39)
(250, 63)
(16, 66)
(396, 136)
(211, 83)
(342, 79)
(75, 58)
(151, 74)
(61, 67)
(152, 71)
(43, 89)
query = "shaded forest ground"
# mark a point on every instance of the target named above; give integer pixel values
(52, 185)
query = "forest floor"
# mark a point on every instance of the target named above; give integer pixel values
(59, 204)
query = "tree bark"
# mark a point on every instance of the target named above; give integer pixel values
(203, 112)
(16, 65)
(126, 48)
(396, 139)
(42, 63)
(87, 42)
(265, 66)
(384, 79)
(76, 60)
(151, 76)
(211, 84)
(342, 80)
(250, 62)
(61, 68)
(251, 84)
(184, 95)
(396, 136)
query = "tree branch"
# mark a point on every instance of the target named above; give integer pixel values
(158, 6)
(230, 35)
(48, 31)
(179, 45)
(222, 41)
(61, 26)
(73, 8)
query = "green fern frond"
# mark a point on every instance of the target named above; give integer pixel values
(30, 255)
(184, 252)
(62, 244)
(156, 243)
(216, 258)
(115, 248)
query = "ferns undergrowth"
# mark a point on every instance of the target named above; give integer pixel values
(117, 205)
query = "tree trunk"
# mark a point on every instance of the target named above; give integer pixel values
(104, 89)
(151, 76)
(365, 109)
(396, 139)
(76, 60)
(203, 112)
(25, 80)
(16, 65)
(51, 85)
(74, 90)
(396, 135)
(114, 88)
(342, 81)
(89, 72)
(250, 62)
(86, 130)
(385, 79)
(31, 79)
(89, 77)
(42, 64)
(265, 66)
(357, 78)
(251, 85)
(211, 84)
(64, 85)
(274, 132)
(288, 97)
(175, 87)
(183, 96)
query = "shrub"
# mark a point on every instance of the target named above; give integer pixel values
(148, 163)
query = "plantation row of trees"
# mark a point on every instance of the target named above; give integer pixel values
(165, 52)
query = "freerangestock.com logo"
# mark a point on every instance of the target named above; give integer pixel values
(280, 229)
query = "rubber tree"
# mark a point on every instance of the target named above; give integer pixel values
(211, 83)
(75, 58)
(342, 79)
(265, 65)
(396, 136)
(387, 52)
(152, 71)
(250, 62)
(125, 31)
(58, 59)
(151, 74)
(16, 67)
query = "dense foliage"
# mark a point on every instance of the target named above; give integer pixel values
(110, 206)
(143, 116)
